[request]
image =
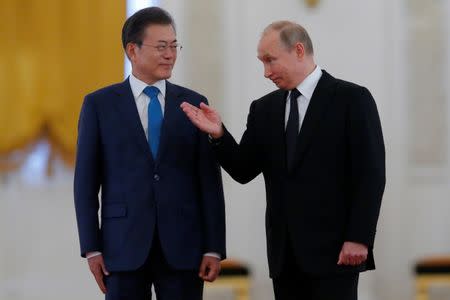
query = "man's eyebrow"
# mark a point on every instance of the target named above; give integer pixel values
(167, 42)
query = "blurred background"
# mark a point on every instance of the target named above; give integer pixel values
(53, 52)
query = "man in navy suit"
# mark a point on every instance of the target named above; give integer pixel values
(162, 206)
(318, 142)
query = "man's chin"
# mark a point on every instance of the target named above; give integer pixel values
(280, 85)
(165, 75)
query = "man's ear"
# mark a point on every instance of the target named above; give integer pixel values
(130, 50)
(300, 50)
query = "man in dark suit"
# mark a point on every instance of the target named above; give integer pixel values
(317, 141)
(162, 206)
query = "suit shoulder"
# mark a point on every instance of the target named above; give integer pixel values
(348, 87)
(192, 96)
(353, 94)
(183, 89)
(104, 95)
(105, 91)
(269, 98)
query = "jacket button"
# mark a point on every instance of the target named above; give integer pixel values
(156, 177)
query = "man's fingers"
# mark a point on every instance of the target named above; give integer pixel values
(98, 275)
(206, 107)
(209, 269)
(212, 270)
(190, 114)
(187, 106)
(104, 269)
(210, 274)
(99, 278)
(202, 272)
(97, 264)
(352, 254)
(98, 269)
(213, 273)
(190, 111)
(353, 260)
(341, 259)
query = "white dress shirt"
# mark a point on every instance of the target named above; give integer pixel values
(306, 88)
(142, 100)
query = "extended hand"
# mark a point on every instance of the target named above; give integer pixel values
(209, 268)
(205, 118)
(98, 269)
(352, 254)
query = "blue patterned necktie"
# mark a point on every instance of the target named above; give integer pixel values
(155, 118)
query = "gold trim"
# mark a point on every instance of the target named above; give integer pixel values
(312, 3)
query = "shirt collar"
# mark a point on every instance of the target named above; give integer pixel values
(138, 86)
(307, 86)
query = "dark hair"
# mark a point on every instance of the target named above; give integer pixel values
(134, 27)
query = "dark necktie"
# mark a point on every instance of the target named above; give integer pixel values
(292, 129)
(155, 118)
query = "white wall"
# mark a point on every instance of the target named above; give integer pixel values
(362, 41)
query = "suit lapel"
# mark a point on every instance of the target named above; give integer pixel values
(172, 104)
(127, 108)
(314, 114)
(278, 125)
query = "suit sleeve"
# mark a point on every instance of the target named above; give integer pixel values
(213, 204)
(242, 161)
(87, 179)
(367, 167)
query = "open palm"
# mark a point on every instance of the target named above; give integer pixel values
(205, 118)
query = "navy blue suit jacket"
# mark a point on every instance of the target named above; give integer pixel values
(179, 193)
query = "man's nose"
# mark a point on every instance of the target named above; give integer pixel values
(267, 72)
(169, 53)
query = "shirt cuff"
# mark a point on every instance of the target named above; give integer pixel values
(212, 254)
(92, 254)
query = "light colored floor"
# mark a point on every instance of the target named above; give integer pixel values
(39, 256)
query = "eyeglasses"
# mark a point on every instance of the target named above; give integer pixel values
(163, 47)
